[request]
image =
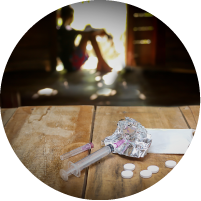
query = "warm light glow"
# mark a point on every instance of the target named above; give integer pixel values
(99, 39)
(149, 28)
(55, 92)
(100, 84)
(93, 96)
(104, 92)
(113, 50)
(68, 27)
(59, 21)
(113, 92)
(144, 41)
(119, 46)
(91, 63)
(78, 39)
(47, 92)
(105, 47)
(142, 96)
(104, 39)
(124, 83)
(117, 63)
(92, 71)
(89, 47)
(98, 78)
(60, 67)
(66, 84)
(142, 15)
(35, 96)
(110, 78)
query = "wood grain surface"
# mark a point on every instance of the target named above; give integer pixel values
(6, 114)
(104, 177)
(39, 135)
(191, 114)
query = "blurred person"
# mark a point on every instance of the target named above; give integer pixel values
(73, 57)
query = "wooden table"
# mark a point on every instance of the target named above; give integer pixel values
(39, 135)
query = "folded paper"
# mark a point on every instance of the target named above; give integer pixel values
(170, 141)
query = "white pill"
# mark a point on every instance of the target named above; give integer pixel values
(153, 168)
(127, 174)
(170, 164)
(129, 166)
(145, 173)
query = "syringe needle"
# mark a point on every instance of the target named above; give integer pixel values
(77, 151)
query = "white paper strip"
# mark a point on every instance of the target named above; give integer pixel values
(170, 141)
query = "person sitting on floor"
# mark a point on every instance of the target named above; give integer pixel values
(74, 57)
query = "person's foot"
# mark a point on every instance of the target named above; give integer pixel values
(102, 66)
(99, 66)
(106, 67)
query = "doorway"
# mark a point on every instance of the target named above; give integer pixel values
(110, 16)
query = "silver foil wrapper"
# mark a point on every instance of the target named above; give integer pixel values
(129, 139)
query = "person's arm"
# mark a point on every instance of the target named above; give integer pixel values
(89, 30)
(95, 33)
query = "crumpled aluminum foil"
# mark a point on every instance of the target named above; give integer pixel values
(129, 139)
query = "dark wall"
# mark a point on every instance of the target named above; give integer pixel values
(165, 50)
(175, 52)
(37, 48)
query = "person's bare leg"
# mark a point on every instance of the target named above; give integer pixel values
(83, 42)
(101, 62)
(102, 65)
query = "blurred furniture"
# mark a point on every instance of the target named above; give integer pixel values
(153, 45)
(10, 99)
(39, 135)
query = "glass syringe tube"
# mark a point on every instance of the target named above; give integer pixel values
(77, 151)
(76, 168)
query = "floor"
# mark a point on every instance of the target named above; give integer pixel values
(87, 87)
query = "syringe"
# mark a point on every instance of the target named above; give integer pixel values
(76, 168)
(77, 151)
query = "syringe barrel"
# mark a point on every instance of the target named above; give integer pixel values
(77, 151)
(87, 161)
(94, 157)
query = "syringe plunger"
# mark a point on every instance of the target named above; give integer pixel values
(76, 168)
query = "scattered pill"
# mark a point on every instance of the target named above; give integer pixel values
(153, 168)
(145, 173)
(129, 166)
(170, 164)
(127, 174)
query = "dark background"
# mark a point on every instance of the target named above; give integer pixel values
(157, 74)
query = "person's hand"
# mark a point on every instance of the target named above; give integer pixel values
(109, 36)
(101, 32)
(105, 33)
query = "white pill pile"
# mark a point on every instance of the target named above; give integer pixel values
(152, 169)
(127, 173)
